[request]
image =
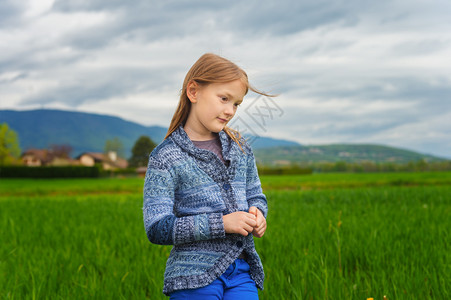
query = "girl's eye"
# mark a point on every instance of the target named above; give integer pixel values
(224, 98)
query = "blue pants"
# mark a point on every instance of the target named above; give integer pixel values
(234, 284)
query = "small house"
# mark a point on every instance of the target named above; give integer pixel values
(108, 161)
(44, 157)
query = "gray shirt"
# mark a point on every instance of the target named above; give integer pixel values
(213, 145)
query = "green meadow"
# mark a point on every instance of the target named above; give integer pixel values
(329, 236)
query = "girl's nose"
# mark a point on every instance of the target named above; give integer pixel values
(229, 109)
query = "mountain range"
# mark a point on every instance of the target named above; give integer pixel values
(88, 132)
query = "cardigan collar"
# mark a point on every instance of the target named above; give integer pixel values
(228, 146)
(209, 162)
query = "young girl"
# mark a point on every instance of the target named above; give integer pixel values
(202, 193)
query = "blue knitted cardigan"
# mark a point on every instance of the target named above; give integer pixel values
(187, 190)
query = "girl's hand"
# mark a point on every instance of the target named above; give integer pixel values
(260, 228)
(239, 222)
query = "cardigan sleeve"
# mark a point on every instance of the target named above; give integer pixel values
(254, 193)
(161, 225)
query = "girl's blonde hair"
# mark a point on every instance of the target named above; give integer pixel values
(209, 68)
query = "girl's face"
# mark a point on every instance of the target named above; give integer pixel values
(212, 107)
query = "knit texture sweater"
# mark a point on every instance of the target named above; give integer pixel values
(187, 191)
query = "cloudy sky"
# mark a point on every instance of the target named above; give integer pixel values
(346, 71)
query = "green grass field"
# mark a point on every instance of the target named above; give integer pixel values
(329, 236)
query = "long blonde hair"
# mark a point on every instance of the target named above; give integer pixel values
(209, 68)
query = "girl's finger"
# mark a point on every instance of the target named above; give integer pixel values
(253, 210)
(248, 228)
(251, 222)
(243, 232)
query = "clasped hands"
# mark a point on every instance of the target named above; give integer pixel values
(243, 223)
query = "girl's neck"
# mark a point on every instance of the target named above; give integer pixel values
(195, 135)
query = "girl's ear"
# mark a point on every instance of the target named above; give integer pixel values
(192, 90)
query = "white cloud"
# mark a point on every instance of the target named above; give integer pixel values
(145, 108)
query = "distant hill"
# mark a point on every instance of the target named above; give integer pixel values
(87, 131)
(82, 131)
(339, 152)
(261, 142)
